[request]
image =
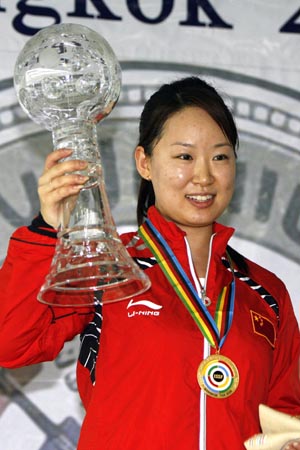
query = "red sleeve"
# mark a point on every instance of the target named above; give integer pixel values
(284, 393)
(31, 332)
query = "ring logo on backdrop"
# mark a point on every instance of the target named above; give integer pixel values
(266, 205)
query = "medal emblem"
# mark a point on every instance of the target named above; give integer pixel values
(218, 376)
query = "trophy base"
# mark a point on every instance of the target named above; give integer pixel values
(87, 272)
(75, 294)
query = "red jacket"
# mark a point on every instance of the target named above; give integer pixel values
(143, 392)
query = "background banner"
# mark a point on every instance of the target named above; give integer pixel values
(250, 52)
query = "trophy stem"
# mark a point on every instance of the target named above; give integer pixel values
(90, 207)
(79, 135)
(89, 256)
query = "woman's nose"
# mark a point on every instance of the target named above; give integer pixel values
(202, 174)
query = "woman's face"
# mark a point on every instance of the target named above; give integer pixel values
(192, 169)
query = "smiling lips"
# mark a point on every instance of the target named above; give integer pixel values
(200, 198)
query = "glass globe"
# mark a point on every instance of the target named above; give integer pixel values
(67, 72)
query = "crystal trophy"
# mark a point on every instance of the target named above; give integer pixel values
(67, 79)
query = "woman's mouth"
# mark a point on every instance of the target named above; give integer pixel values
(201, 198)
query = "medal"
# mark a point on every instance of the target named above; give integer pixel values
(218, 376)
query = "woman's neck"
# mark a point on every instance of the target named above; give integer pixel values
(199, 242)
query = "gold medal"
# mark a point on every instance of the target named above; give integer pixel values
(218, 376)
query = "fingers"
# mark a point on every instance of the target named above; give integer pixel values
(54, 168)
(54, 157)
(60, 187)
(60, 179)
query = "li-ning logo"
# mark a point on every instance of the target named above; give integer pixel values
(153, 308)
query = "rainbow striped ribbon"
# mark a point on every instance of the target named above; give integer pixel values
(214, 330)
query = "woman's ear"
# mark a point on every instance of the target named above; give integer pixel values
(142, 162)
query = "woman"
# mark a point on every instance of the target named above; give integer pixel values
(186, 364)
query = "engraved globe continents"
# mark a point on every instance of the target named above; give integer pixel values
(67, 78)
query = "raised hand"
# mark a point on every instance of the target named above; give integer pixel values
(58, 182)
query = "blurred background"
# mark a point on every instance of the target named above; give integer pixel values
(250, 52)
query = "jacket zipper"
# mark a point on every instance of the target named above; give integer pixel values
(206, 346)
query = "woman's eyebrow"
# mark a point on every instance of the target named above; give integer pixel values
(183, 144)
(189, 145)
(222, 144)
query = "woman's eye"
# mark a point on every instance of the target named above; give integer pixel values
(220, 157)
(185, 157)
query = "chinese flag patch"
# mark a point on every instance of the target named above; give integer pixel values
(264, 327)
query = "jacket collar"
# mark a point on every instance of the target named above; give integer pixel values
(217, 275)
(174, 235)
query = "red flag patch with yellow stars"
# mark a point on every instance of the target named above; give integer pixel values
(264, 327)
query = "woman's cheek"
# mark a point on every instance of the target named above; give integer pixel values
(177, 175)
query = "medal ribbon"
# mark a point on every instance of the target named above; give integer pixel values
(215, 331)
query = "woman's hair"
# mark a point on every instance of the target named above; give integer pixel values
(168, 100)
